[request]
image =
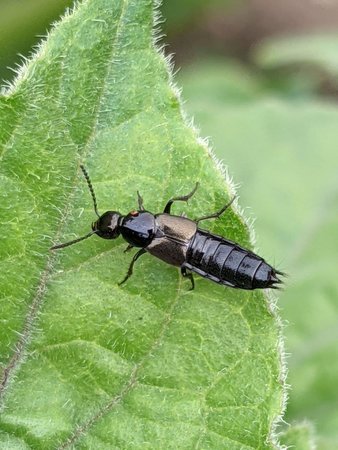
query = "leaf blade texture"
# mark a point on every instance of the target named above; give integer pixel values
(87, 363)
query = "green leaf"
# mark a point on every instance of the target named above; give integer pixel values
(283, 153)
(180, 14)
(300, 65)
(316, 49)
(86, 363)
(299, 436)
(20, 24)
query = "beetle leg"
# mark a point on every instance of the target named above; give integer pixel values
(140, 202)
(189, 275)
(183, 198)
(130, 270)
(217, 214)
(129, 247)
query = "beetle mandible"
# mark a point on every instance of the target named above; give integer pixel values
(180, 242)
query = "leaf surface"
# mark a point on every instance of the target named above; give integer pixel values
(86, 363)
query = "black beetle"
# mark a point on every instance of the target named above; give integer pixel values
(180, 242)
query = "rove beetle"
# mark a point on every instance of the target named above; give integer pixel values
(179, 241)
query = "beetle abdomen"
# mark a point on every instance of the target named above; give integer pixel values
(228, 263)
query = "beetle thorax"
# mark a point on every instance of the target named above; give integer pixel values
(138, 228)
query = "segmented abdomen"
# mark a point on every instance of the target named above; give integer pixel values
(228, 263)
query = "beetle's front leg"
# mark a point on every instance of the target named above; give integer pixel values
(128, 248)
(130, 270)
(189, 275)
(140, 201)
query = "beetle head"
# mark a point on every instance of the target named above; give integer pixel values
(108, 225)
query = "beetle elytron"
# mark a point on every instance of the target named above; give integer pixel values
(180, 242)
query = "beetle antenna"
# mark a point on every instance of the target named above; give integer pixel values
(85, 173)
(66, 244)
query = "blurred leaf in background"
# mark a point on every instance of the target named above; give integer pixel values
(299, 437)
(180, 15)
(309, 62)
(317, 50)
(20, 23)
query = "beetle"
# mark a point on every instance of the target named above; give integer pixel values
(180, 242)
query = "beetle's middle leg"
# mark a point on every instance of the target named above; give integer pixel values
(182, 198)
(217, 214)
(189, 275)
(130, 270)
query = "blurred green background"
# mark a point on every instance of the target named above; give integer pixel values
(260, 79)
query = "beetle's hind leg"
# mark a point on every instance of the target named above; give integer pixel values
(182, 198)
(189, 275)
(217, 214)
(130, 270)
